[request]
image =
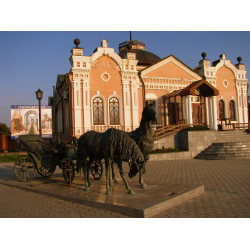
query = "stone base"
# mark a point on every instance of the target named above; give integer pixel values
(148, 202)
(171, 156)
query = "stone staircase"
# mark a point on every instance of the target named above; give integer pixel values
(228, 145)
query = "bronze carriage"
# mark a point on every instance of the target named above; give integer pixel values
(43, 157)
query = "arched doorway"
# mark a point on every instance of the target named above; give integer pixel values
(221, 109)
(232, 110)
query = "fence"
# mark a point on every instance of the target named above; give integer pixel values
(227, 124)
(7, 144)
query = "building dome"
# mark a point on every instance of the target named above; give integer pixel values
(144, 57)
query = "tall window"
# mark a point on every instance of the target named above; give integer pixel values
(232, 110)
(114, 111)
(98, 111)
(221, 110)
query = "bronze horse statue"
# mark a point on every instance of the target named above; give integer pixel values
(143, 136)
(113, 146)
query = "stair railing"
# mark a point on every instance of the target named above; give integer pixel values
(168, 130)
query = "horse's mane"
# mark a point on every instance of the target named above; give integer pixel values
(119, 140)
(125, 145)
(90, 138)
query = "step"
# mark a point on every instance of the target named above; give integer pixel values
(246, 138)
(228, 157)
(233, 143)
(234, 135)
(230, 146)
(224, 154)
(226, 151)
(234, 147)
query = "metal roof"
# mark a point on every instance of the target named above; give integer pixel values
(142, 56)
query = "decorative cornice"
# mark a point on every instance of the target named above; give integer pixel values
(74, 70)
(241, 84)
(129, 73)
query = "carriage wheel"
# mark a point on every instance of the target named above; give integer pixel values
(24, 168)
(45, 172)
(96, 170)
(68, 172)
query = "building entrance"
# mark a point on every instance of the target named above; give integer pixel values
(193, 105)
(196, 113)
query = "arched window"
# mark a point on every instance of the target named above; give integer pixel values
(114, 111)
(98, 111)
(232, 110)
(221, 110)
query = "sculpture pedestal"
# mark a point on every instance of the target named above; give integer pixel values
(148, 202)
(144, 203)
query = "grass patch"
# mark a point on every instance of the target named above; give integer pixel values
(165, 150)
(8, 158)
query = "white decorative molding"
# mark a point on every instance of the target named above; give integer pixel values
(105, 76)
(225, 83)
(104, 43)
(151, 96)
(106, 51)
(74, 70)
(228, 64)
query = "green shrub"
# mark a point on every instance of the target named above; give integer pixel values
(198, 128)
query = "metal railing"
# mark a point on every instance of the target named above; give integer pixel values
(169, 130)
(172, 129)
(227, 124)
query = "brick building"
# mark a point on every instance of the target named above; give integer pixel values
(109, 89)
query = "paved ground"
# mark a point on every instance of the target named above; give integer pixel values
(227, 192)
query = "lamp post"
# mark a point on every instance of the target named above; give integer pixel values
(39, 97)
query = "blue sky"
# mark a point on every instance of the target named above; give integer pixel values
(32, 60)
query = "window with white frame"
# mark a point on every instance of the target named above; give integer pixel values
(114, 108)
(98, 111)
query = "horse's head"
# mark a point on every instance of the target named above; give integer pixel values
(135, 168)
(149, 113)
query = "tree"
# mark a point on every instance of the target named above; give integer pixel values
(4, 129)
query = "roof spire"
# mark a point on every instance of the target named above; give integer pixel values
(130, 35)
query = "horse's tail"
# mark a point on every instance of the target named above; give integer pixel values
(78, 161)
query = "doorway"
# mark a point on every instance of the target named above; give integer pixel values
(196, 113)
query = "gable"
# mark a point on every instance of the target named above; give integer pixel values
(171, 67)
(105, 76)
(203, 87)
(225, 82)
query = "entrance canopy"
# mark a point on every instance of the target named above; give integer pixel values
(201, 87)
(189, 104)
